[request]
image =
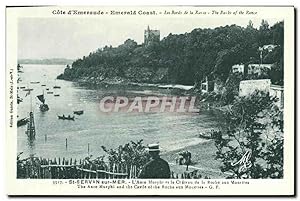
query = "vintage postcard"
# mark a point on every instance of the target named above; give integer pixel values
(161, 100)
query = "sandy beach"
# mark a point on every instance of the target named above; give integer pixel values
(203, 159)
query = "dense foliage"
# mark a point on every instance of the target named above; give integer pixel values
(251, 145)
(133, 153)
(185, 58)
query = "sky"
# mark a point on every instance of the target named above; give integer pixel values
(73, 38)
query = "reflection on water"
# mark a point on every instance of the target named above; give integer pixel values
(95, 128)
(31, 142)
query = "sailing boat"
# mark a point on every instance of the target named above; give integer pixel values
(19, 99)
(19, 68)
(56, 86)
(30, 127)
(43, 107)
(30, 132)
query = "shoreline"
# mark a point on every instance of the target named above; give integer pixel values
(202, 153)
(203, 150)
(121, 81)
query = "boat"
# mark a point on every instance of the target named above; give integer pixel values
(50, 92)
(205, 135)
(30, 132)
(27, 89)
(22, 87)
(43, 107)
(47, 89)
(22, 122)
(34, 82)
(19, 99)
(63, 117)
(56, 86)
(19, 67)
(79, 112)
(56, 95)
(43, 85)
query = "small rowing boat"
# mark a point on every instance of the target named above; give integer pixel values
(63, 117)
(79, 112)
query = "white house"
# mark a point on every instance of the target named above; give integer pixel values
(258, 68)
(247, 87)
(207, 85)
(238, 68)
(277, 91)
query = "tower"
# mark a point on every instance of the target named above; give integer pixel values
(151, 36)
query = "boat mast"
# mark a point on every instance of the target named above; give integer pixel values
(30, 101)
(30, 125)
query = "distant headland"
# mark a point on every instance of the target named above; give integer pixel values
(50, 61)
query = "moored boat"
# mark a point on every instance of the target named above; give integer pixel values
(19, 99)
(43, 107)
(22, 122)
(63, 117)
(79, 112)
(30, 132)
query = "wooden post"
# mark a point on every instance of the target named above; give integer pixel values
(66, 143)
(88, 149)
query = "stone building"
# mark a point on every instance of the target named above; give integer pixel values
(151, 36)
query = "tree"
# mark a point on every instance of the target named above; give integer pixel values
(264, 34)
(244, 146)
(133, 153)
(184, 58)
(231, 88)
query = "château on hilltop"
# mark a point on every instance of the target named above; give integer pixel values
(151, 36)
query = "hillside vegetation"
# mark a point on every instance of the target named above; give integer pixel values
(184, 58)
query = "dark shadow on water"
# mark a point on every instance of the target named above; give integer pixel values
(31, 143)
